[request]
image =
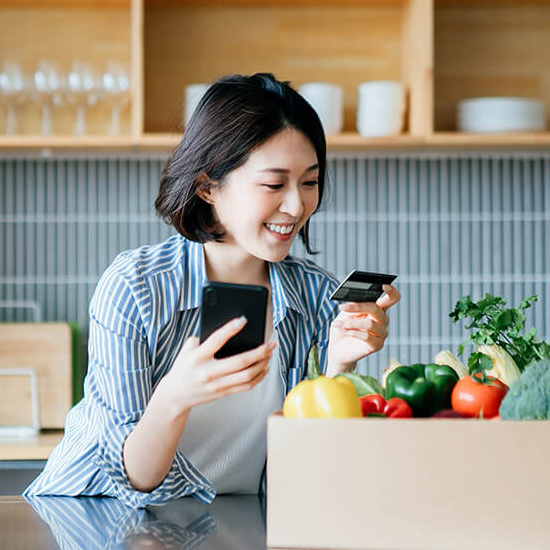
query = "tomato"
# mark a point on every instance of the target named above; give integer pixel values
(473, 398)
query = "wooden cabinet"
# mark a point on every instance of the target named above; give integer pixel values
(443, 50)
(489, 48)
(61, 32)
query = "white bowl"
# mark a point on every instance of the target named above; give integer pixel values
(500, 114)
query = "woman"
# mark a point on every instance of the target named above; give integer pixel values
(161, 417)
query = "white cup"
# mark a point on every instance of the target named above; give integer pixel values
(193, 94)
(380, 108)
(328, 101)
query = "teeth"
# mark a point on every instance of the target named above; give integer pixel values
(283, 229)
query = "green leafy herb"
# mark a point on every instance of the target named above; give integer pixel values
(491, 323)
(479, 362)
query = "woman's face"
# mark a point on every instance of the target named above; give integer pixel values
(265, 202)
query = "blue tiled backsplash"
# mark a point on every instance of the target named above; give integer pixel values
(447, 224)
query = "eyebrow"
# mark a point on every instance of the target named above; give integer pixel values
(285, 171)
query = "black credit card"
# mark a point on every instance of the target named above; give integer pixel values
(362, 286)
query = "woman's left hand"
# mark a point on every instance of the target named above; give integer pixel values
(359, 330)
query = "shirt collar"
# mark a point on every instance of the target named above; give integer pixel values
(284, 292)
(194, 276)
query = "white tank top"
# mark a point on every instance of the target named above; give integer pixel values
(226, 439)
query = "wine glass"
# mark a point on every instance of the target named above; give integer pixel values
(47, 88)
(14, 87)
(116, 89)
(83, 91)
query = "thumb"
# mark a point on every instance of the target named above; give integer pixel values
(390, 297)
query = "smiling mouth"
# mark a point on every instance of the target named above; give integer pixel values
(281, 229)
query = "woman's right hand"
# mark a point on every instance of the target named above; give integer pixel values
(198, 377)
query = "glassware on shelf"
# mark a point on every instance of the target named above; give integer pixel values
(14, 88)
(116, 92)
(47, 89)
(83, 89)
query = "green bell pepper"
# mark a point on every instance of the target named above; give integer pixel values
(426, 388)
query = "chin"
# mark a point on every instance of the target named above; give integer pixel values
(274, 256)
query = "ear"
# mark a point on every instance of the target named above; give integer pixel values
(204, 188)
(205, 195)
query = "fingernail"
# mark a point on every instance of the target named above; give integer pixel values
(271, 346)
(387, 288)
(348, 306)
(240, 321)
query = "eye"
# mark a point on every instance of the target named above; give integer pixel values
(274, 186)
(311, 183)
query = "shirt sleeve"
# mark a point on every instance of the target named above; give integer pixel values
(121, 372)
(327, 311)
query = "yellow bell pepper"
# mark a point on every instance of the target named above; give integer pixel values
(322, 397)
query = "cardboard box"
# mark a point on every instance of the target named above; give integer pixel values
(442, 484)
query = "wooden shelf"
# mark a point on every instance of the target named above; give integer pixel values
(64, 32)
(348, 141)
(352, 141)
(30, 448)
(64, 142)
(301, 44)
(507, 140)
(489, 49)
(443, 50)
(344, 141)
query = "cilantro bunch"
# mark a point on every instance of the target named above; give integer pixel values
(493, 323)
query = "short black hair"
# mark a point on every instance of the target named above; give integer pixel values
(236, 114)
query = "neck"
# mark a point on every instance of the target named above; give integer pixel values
(229, 264)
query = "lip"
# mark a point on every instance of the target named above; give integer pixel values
(279, 236)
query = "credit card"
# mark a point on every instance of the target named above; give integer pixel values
(362, 286)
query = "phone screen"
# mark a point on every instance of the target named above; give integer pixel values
(222, 302)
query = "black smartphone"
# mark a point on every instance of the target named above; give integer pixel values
(222, 302)
(362, 286)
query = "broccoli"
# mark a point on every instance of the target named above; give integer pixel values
(529, 396)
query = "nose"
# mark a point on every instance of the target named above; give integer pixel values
(293, 203)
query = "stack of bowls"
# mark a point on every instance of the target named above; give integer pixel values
(380, 108)
(501, 114)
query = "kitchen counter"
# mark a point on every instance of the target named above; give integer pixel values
(30, 448)
(230, 522)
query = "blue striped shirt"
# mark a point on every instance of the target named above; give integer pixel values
(145, 306)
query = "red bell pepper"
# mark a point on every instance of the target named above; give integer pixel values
(376, 405)
(373, 403)
(397, 408)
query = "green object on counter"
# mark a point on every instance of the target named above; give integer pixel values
(365, 385)
(77, 366)
(426, 388)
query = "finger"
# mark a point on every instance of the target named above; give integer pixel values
(245, 387)
(242, 361)
(390, 298)
(363, 309)
(246, 377)
(364, 335)
(370, 344)
(191, 343)
(220, 336)
(365, 324)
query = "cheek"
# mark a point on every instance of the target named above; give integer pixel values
(311, 203)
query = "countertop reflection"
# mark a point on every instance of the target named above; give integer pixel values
(230, 522)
